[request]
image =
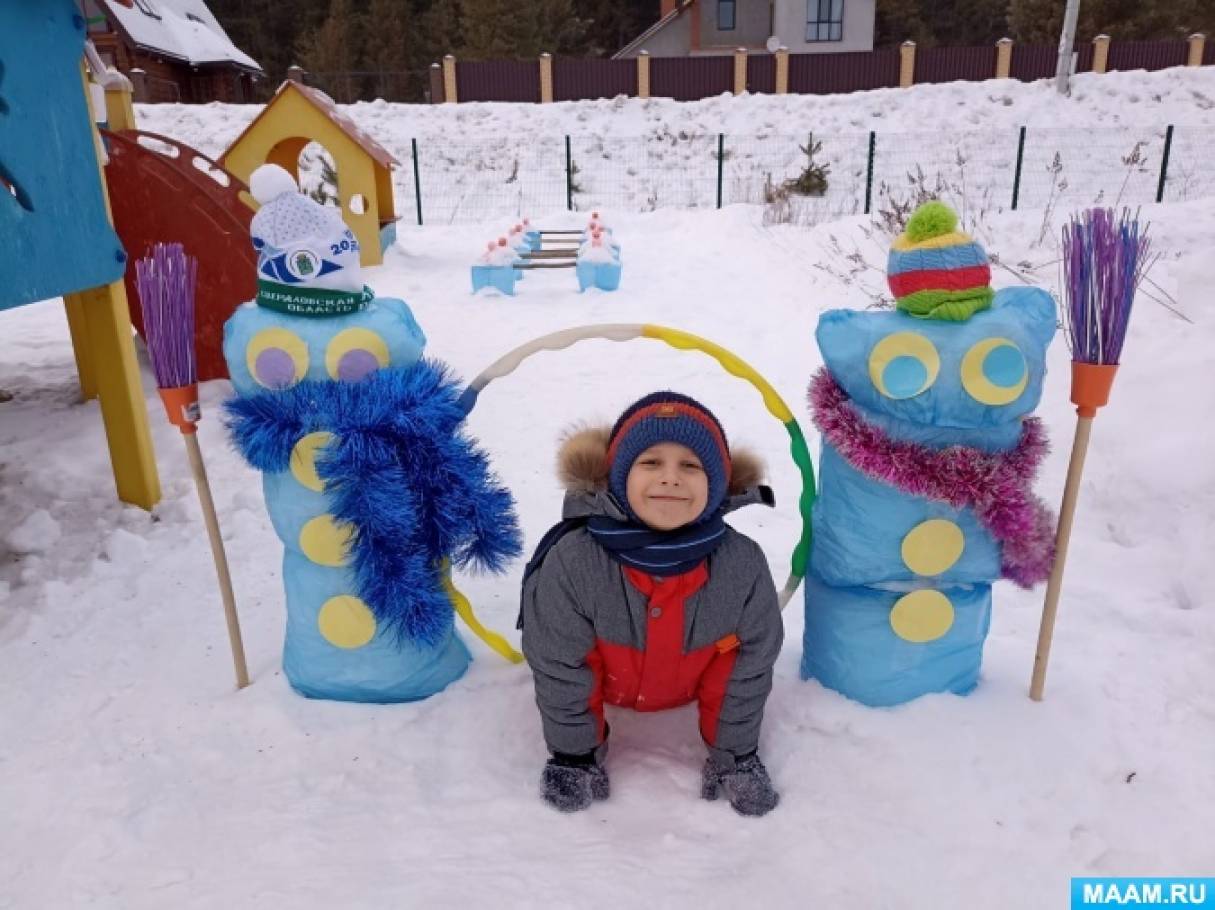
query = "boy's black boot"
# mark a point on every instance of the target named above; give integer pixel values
(745, 782)
(573, 782)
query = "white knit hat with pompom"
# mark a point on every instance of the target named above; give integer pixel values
(299, 242)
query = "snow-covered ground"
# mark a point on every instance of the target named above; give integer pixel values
(132, 775)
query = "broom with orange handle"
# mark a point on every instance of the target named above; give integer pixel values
(166, 280)
(1103, 262)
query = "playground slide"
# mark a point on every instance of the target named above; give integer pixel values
(164, 191)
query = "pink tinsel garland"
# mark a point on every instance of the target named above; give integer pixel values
(995, 485)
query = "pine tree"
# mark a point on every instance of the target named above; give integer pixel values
(386, 49)
(330, 52)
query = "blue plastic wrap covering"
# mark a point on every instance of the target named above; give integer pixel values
(1023, 316)
(860, 526)
(381, 670)
(850, 645)
(334, 647)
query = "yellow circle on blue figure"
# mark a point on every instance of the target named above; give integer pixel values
(277, 358)
(933, 546)
(994, 371)
(921, 616)
(324, 540)
(346, 622)
(354, 353)
(903, 365)
(303, 459)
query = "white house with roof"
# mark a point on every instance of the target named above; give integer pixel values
(173, 50)
(707, 27)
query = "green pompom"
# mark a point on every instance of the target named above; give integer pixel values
(932, 219)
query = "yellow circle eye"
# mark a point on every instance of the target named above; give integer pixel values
(921, 616)
(903, 365)
(994, 371)
(354, 353)
(277, 358)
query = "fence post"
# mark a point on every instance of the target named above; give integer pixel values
(740, 70)
(1164, 163)
(436, 84)
(643, 74)
(449, 79)
(869, 172)
(721, 163)
(782, 70)
(417, 181)
(1004, 48)
(907, 64)
(1017, 173)
(295, 74)
(1198, 44)
(569, 176)
(139, 84)
(546, 77)
(1101, 53)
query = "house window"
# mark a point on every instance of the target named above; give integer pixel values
(725, 15)
(824, 20)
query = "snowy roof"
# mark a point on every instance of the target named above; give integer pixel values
(184, 29)
(327, 107)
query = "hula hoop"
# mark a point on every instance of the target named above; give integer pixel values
(680, 340)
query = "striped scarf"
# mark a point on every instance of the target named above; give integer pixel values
(661, 553)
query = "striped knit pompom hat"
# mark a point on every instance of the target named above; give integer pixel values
(935, 271)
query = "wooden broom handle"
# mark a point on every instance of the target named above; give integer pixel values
(221, 559)
(1067, 512)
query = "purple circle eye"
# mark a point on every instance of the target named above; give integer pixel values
(356, 364)
(274, 368)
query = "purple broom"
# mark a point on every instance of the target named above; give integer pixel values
(166, 280)
(1103, 262)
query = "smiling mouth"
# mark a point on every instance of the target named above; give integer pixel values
(670, 498)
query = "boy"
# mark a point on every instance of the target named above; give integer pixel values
(643, 597)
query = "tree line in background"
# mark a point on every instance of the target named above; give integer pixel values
(384, 48)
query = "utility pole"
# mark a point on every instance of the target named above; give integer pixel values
(1066, 41)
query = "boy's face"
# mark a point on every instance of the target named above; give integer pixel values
(667, 487)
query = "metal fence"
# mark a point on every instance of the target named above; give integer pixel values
(444, 183)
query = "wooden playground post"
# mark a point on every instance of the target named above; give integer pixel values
(99, 318)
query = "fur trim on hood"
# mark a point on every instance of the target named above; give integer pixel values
(582, 463)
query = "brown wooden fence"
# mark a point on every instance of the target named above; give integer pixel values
(693, 78)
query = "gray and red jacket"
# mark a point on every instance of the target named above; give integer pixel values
(597, 632)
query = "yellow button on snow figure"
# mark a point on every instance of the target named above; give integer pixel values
(303, 459)
(921, 616)
(324, 540)
(933, 546)
(346, 622)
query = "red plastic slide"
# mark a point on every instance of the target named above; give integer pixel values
(162, 191)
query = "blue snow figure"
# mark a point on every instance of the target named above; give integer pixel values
(928, 456)
(369, 479)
